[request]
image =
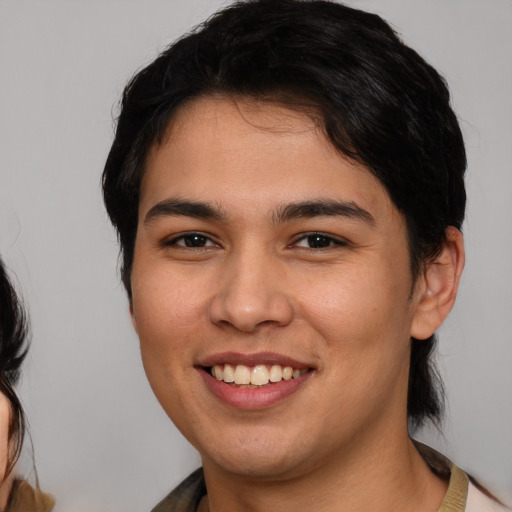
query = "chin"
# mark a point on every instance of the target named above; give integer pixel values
(255, 457)
(262, 468)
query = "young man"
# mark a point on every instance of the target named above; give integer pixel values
(287, 185)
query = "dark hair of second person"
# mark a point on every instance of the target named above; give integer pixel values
(16, 494)
(13, 349)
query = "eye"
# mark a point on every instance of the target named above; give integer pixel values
(318, 241)
(191, 240)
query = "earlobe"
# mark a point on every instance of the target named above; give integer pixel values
(438, 287)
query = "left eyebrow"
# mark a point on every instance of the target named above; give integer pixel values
(322, 208)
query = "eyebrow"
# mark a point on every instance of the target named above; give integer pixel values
(306, 209)
(323, 208)
(181, 207)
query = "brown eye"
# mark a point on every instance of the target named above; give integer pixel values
(192, 240)
(318, 241)
(195, 240)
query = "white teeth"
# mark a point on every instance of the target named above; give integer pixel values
(229, 373)
(242, 374)
(260, 375)
(217, 372)
(287, 372)
(276, 373)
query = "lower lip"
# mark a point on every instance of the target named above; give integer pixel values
(253, 398)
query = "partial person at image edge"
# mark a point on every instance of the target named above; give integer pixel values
(16, 494)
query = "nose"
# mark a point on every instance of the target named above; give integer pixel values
(252, 294)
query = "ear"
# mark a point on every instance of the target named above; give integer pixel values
(436, 289)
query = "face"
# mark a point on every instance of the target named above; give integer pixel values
(262, 252)
(5, 417)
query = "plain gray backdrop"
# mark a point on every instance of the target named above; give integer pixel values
(101, 441)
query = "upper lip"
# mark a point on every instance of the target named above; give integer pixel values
(253, 359)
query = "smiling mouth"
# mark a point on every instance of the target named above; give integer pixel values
(256, 376)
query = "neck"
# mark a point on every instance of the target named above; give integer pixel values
(381, 478)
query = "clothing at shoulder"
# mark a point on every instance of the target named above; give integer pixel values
(186, 497)
(479, 502)
(461, 496)
(24, 498)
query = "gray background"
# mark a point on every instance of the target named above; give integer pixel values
(101, 441)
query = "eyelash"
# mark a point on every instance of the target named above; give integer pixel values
(319, 236)
(201, 238)
(188, 236)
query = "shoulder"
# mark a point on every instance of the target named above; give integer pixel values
(24, 497)
(478, 502)
(462, 495)
(185, 497)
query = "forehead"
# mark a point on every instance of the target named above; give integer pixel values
(252, 152)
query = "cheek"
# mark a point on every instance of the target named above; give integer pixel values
(5, 418)
(164, 301)
(358, 303)
(165, 310)
(363, 320)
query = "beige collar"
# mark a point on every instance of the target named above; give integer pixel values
(457, 493)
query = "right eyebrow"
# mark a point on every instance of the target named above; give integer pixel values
(174, 206)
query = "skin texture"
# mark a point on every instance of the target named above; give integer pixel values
(5, 414)
(256, 284)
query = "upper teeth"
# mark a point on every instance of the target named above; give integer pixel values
(258, 375)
